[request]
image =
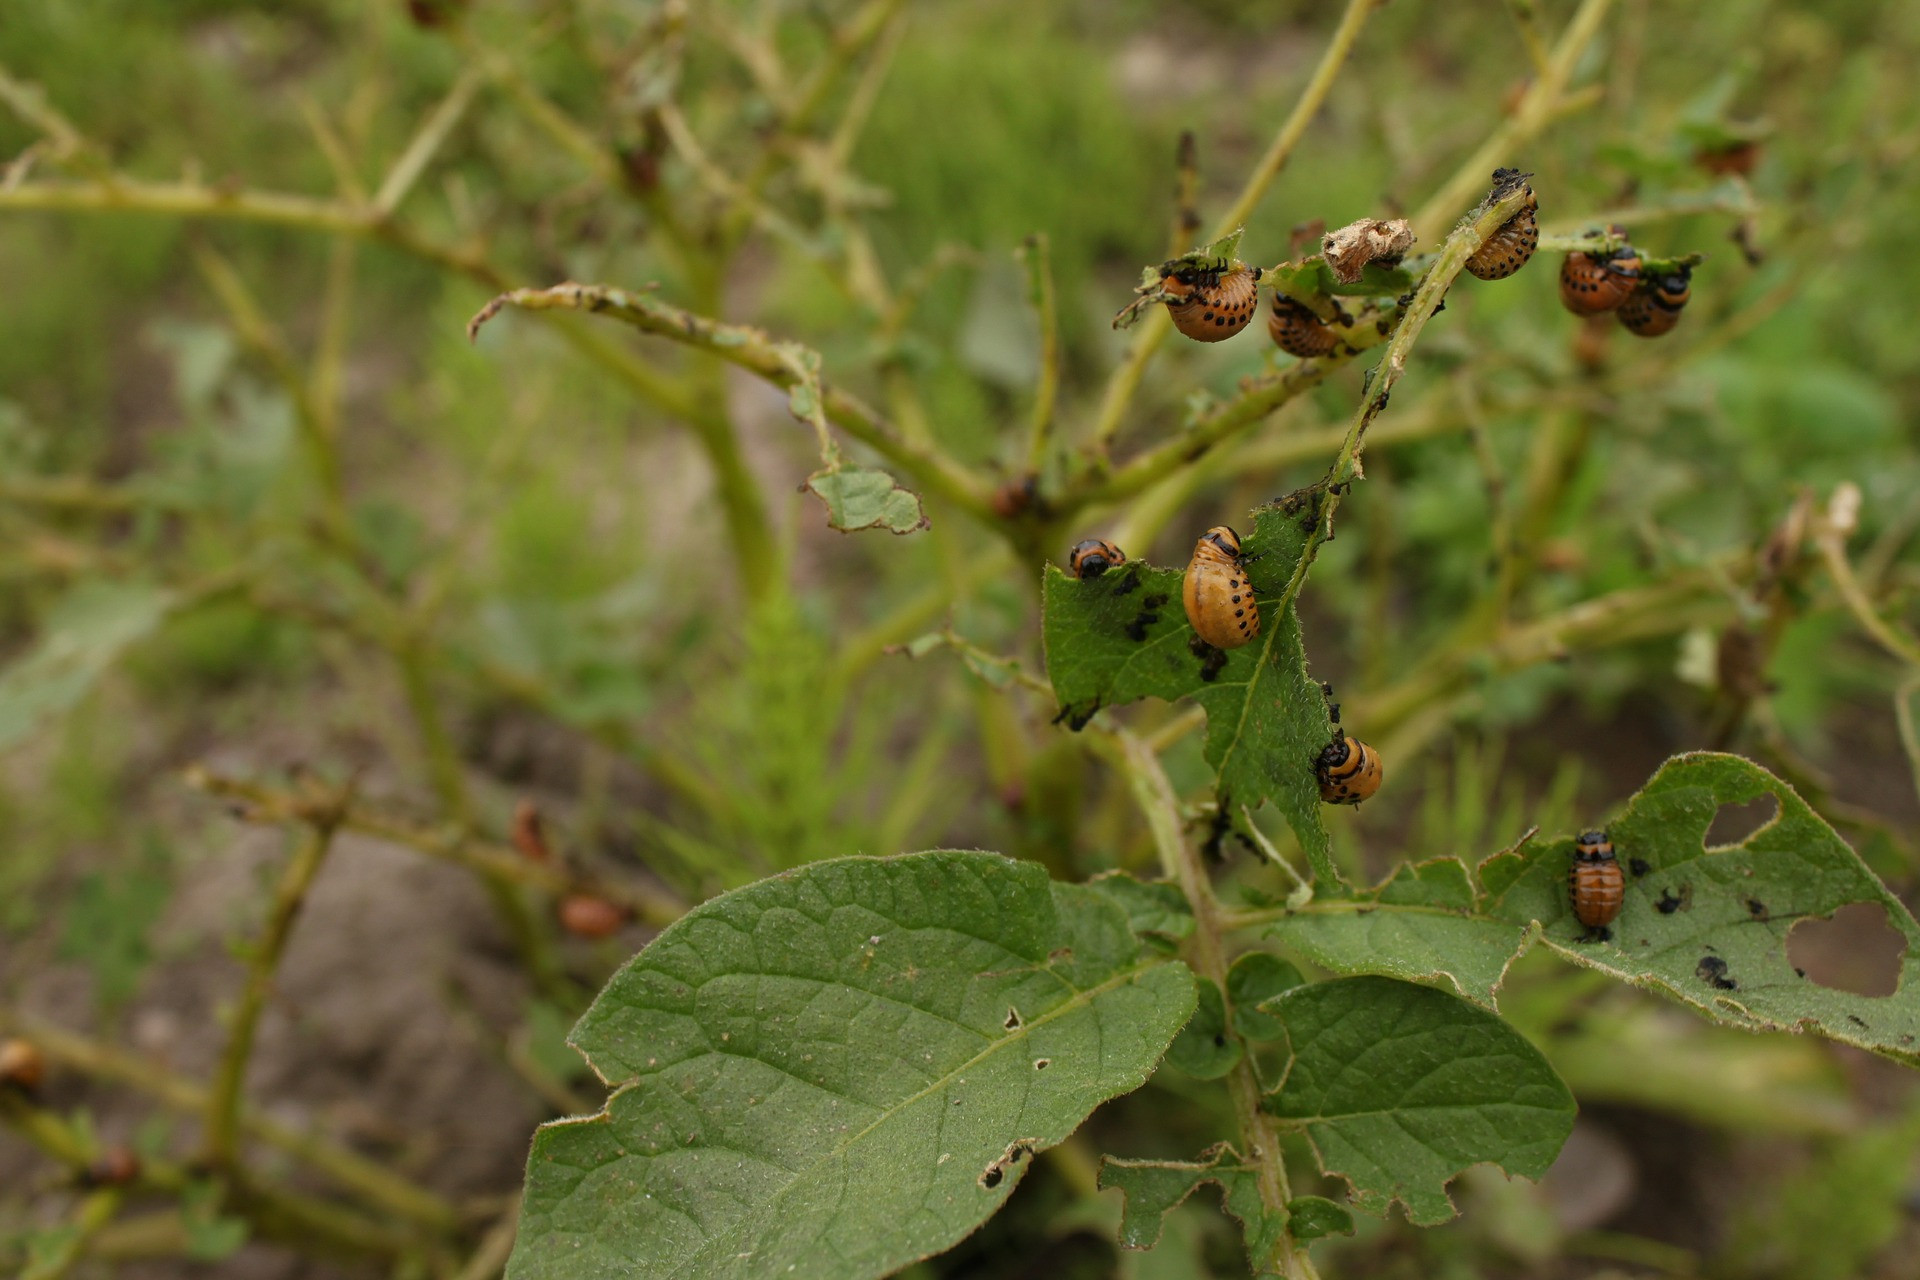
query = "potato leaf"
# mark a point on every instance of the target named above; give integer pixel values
(842, 1069)
(1708, 926)
(1400, 1087)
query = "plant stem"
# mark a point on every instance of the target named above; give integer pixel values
(1452, 259)
(378, 1186)
(490, 861)
(1039, 258)
(776, 362)
(224, 1103)
(1152, 331)
(1154, 795)
(1538, 108)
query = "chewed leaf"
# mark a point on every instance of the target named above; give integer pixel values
(1124, 635)
(858, 498)
(1418, 926)
(1155, 1188)
(1401, 1087)
(842, 1069)
(1708, 926)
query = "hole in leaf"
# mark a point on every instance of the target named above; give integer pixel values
(1013, 1020)
(1735, 822)
(1854, 949)
(1041, 1064)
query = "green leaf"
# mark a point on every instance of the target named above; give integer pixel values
(1156, 907)
(1155, 1188)
(1203, 1049)
(1311, 1217)
(1418, 926)
(1401, 1087)
(1124, 635)
(1708, 927)
(842, 1069)
(85, 633)
(1257, 976)
(859, 498)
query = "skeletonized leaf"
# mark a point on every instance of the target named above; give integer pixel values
(842, 1069)
(1124, 635)
(1418, 926)
(1709, 926)
(1400, 1087)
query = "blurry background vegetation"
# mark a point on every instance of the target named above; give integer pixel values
(522, 584)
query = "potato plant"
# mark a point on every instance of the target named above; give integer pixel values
(747, 424)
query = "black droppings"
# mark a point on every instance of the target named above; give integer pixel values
(1712, 970)
(1075, 718)
(1799, 971)
(1668, 904)
(1153, 601)
(1758, 909)
(1638, 866)
(1129, 583)
(1212, 664)
(1137, 629)
(1858, 1021)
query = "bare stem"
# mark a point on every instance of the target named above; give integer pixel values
(223, 1108)
(374, 1183)
(1039, 259)
(1538, 108)
(1452, 259)
(491, 861)
(775, 361)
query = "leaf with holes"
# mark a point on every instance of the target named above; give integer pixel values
(1418, 926)
(1708, 926)
(842, 1069)
(1124, 635)
(1155, 1188)
(1400, 1087)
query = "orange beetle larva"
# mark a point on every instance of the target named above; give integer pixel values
(1595, 884)
(1655, 307)
(1094, 557)
(1594, 284)
(1210, 302)
(21, 1066)
(1217, 592)
(1507, 250)
(1348, 769)
(1297, 331)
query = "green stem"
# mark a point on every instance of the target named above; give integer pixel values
(378, 1186)
(776, 362)
(1160, 806)
(1538, 108)
(223, 1106)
